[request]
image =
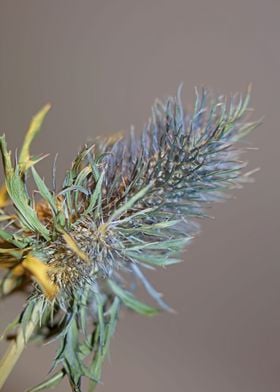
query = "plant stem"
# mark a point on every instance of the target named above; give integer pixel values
(15, 349)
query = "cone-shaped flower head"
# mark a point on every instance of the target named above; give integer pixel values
(128, 203)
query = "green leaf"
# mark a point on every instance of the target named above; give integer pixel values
(51, 382)
(153, 259)
(152, 229)
(96, 195)
(167, 245)
(100, 321)
(4, 235)
(10, 327)
(44, 191)
(100, 355)
(131, 302)
(17, 192)
(130, 203)
(21, 200)
(70, 354)
(81, 178)
(27, 315)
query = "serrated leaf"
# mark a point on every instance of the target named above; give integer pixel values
(69, 354)
(100, 355)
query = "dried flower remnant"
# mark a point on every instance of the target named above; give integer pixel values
(126, 204)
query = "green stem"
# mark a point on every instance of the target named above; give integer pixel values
(15, 349)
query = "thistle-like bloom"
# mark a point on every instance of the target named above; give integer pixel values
(128, 203)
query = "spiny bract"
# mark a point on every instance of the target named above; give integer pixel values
(126, 204)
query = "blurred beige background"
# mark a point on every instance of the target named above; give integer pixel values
(101, 63)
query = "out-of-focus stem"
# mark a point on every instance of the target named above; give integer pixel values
(16, 347)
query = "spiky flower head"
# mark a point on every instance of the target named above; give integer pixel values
(127, 203)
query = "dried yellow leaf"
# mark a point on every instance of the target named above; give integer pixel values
(40, 272)
(34, 128)
(4, 196)
(74, 247)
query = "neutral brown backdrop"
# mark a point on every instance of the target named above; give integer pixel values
(101, 63)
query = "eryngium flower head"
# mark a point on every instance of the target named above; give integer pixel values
(127, 203)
